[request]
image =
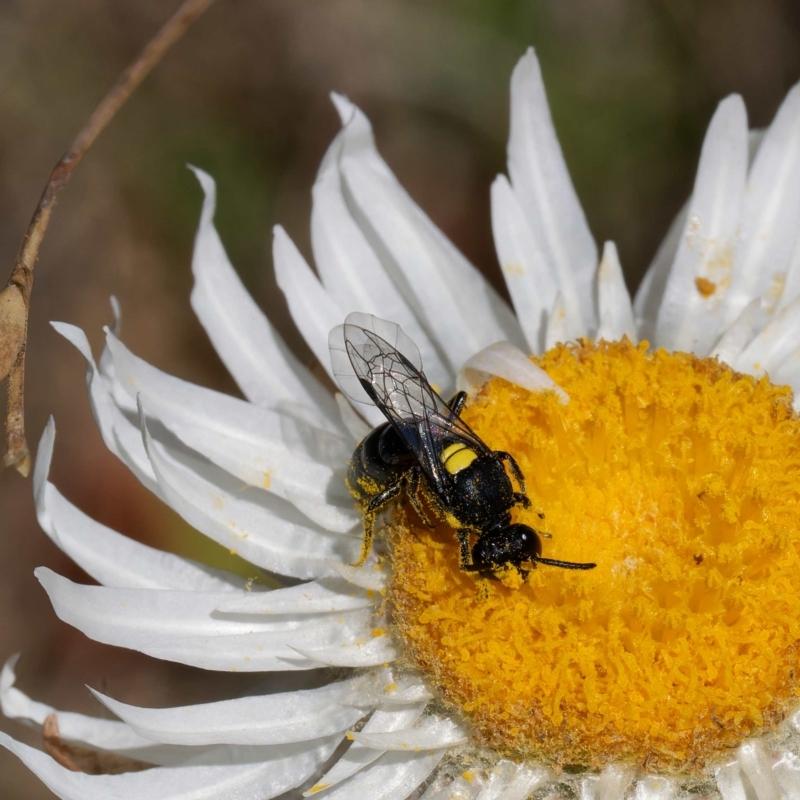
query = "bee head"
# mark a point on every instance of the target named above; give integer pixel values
(512, 546)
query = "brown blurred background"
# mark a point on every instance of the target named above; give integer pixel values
(632, 84)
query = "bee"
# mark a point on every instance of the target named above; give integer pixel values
(426, 450)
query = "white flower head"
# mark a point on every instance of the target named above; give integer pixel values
(265, 476)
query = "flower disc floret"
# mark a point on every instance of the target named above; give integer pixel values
(681, 479)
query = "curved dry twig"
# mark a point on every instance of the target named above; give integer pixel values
(15, 297)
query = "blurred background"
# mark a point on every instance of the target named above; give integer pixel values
(632, 85)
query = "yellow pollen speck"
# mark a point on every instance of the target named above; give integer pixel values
(390, 688)
(681, 480)
(705, 286)
(378, 631)
(267, 480)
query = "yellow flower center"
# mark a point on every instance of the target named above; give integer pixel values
(681, 479)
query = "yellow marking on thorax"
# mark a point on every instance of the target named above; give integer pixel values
(457, 456)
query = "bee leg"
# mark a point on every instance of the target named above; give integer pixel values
(413, 496)
(457, 402)
(369, 535)
(464, 555)
(370, 512)
(521, 499)
(514, 467)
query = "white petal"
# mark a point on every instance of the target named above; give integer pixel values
(610, 784)
(503, 360)
(313, 310)
(355, 425)
(392, 777)
(101, 734)
(541, 181)
(774, 344)
(770, 212)
(109, 557)
(730, 782)
(431, 734)
(792, 290)
(326, 595)
(265, 773)
(121, 437)
(185, 627)
(351, 270)
(261, 447)
(359, 756)
(527, 271)
(754, 138)
(296, 716)
(338, 515)
(613, 300)
(558, 326)
(105, 363)
(757, 766)
(691, 315)
(260, 526)
(449, 789)
(444, 787)
(405, 689)
(454, 302)
(787, 774)
(368, 576)
(268, 372)
(734, 340)
(510, 781)
(650, 293)
(367, 651)
(655, 788)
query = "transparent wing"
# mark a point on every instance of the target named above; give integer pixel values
(400, 390)
(390, 332)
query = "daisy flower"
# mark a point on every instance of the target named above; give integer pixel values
(657, 438)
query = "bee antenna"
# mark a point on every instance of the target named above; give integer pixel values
(552, 562)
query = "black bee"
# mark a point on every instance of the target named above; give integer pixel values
(425, 447)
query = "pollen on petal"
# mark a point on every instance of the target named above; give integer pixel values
(681, 480)
(705, 286)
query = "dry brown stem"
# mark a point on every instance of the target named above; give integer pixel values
(82, 759)
(15, 298)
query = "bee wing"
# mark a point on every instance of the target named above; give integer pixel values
(399, 388)
(343, 370)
